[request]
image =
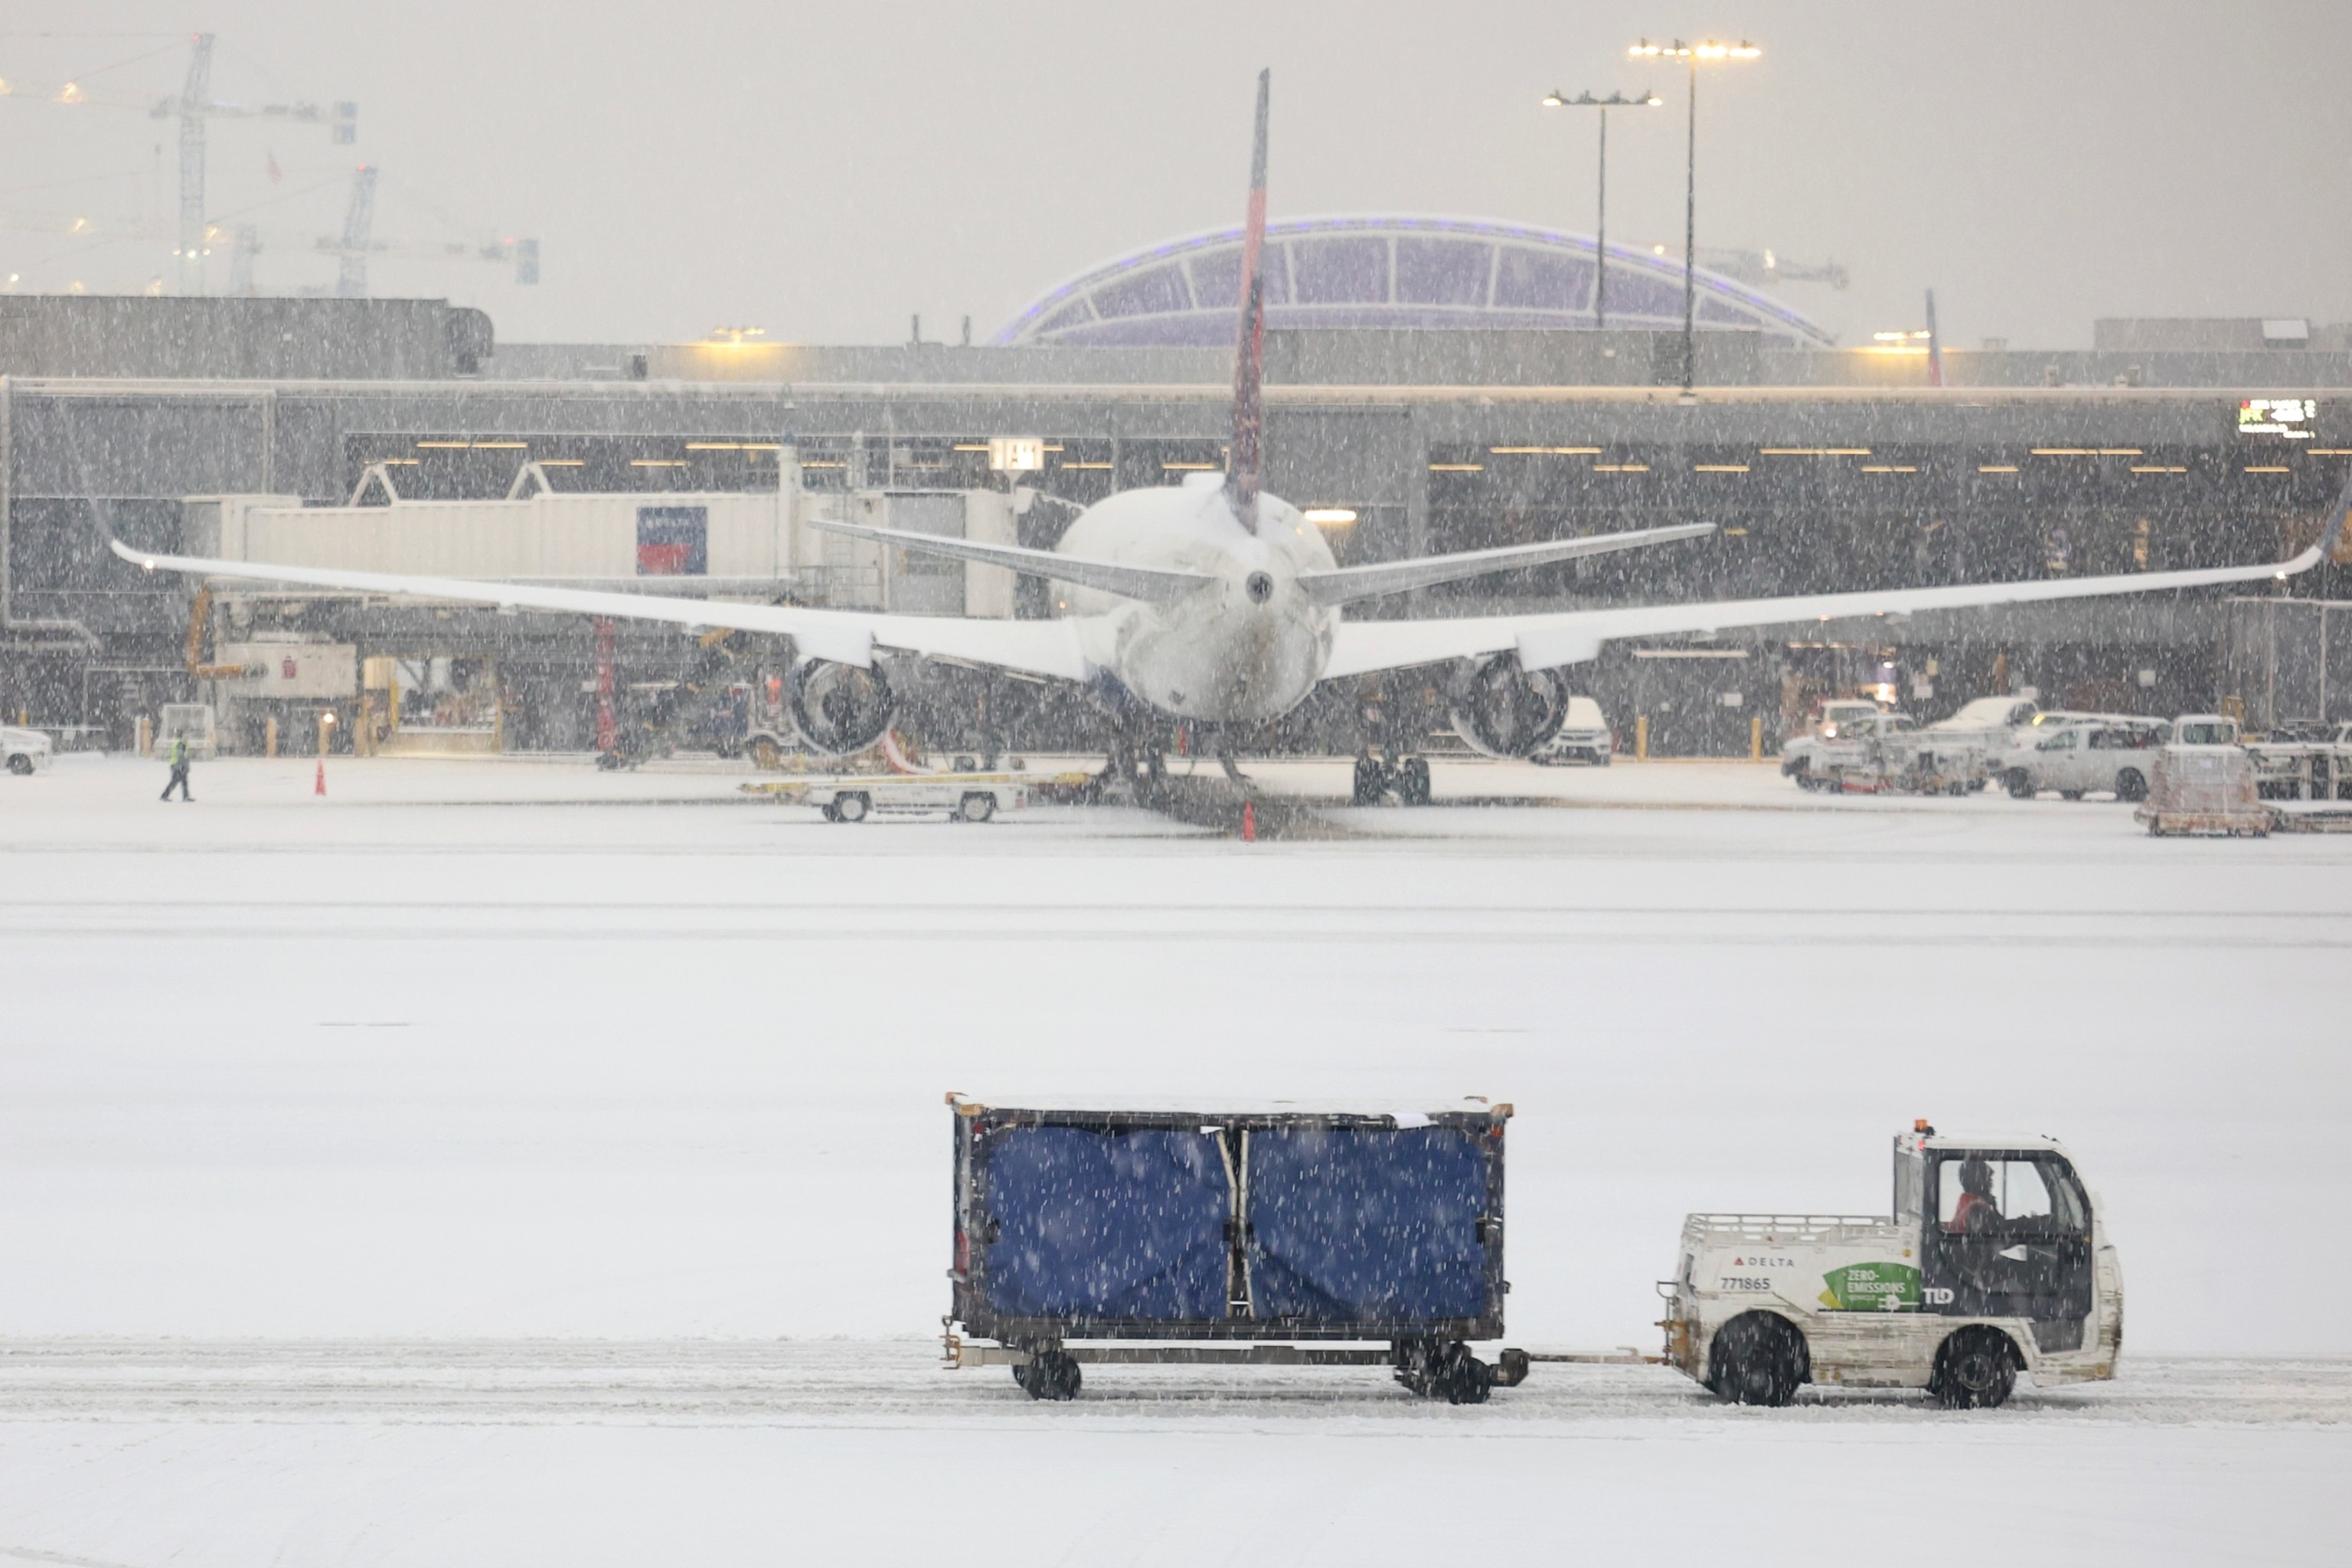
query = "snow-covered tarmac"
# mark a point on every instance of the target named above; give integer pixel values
(623, 1093)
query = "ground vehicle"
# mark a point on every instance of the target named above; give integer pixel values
(1295, 1229)
(189, 721)
(1584, 736)
(966, 797)
(2077, 758)
(1993, 1262)
(2306, 761)
(24, 750)
(2205, 782)
(1851, 750)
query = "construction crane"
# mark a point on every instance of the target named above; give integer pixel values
(358, 243)
(194, 107)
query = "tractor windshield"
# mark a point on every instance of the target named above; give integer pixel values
(2021, 1195)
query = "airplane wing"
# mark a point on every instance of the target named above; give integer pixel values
(844, 636)
(1571, 636)
(1157, 583)
(1348, 584)
(1343, 585)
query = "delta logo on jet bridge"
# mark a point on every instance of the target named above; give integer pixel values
(673, 540)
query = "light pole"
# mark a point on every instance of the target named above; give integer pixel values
(1708, 50)
(1556, 100)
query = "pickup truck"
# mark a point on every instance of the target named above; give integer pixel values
(2112, 754)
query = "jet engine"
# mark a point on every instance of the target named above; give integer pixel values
(838, 707)
(1503, 710)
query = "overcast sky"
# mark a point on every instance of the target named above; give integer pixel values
(826, 170)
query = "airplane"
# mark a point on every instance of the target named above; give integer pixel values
(1217, 602)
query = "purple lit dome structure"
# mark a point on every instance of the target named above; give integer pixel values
(1376, 270)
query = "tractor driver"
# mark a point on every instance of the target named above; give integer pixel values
(1976, 1213)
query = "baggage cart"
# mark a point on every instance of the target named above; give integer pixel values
(2204, 789)
(1209, 1234)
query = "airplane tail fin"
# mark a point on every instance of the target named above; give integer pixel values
(1249, 353)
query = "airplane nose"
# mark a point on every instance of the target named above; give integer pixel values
(1259, 586)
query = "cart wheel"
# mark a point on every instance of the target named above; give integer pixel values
(1758, 1359)
(851, 808)
(1975, 1370)
(2131, 784)
(2069, 794)
(977, 806)
(1462, 1377)
(2021, 784)
(1371, 780)
(1052, 1375)
(1413, 781)
(21, 765)
(828, 813)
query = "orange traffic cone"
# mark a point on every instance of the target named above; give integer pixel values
(321, 787)
(1249, 821)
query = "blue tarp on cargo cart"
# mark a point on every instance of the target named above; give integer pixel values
(1367, 1223)
(1125, 1223)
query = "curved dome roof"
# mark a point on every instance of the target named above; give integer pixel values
(1374, 270)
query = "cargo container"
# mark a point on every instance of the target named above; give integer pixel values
(1322, 1235)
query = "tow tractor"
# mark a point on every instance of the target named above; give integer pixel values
(969, 796)
(1994, 1262)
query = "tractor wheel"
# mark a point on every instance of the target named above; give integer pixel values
(2021, 784)
(1975, 1368)
(1758, 1358)
(2131, 784)
(1413, 781)
(1370, 783)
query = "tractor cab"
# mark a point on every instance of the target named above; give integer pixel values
(2004, 1227)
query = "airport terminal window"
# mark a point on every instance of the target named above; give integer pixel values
(1158, 292)
(1441, 272)
(1531, 280)
(1341, 271)
(1217, 274)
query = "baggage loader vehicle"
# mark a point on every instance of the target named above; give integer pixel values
(1273, 1235)
(1993, 1262)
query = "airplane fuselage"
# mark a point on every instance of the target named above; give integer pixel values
(1247, 646)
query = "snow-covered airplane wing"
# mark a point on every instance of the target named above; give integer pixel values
(1571, 636)
(844, 636)
(1346, 585)
(1160, 586)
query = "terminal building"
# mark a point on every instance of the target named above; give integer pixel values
(1435, 385)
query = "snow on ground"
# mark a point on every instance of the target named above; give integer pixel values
(498, 1051)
